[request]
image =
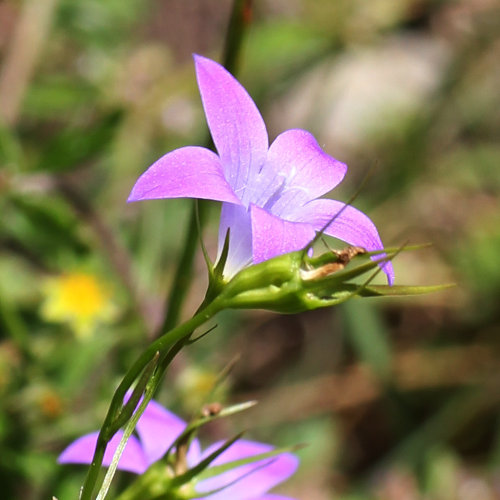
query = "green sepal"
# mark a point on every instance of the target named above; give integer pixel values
(200, 467)
(343, 275)
(219, 268)
(216, 280)
(283, 284)
(294, 282)
(216, 470)
(224, 412)
(195, 424)
(397, 290)
(405, 248)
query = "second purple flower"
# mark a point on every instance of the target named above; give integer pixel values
(157, 430)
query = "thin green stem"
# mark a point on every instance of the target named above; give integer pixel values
(167, 346)
(238, 24)
(241, 17)
(129, 429)
(153, 379)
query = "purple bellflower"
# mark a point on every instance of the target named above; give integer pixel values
(157, 430)
(269, 193)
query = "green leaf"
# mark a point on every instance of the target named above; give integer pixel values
(216, 470)
(398, 290)
(79, 145)
(204, 464)
(193, 426)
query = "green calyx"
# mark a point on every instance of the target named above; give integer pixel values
(294, 282)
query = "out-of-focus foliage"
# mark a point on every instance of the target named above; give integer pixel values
(397, 399)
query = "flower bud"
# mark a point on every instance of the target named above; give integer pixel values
(294, 282)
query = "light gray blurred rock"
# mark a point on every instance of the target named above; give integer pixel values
(346, 99)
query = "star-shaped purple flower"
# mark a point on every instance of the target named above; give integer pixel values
(157, 430)
(269, 193)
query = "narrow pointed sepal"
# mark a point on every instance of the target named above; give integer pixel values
(400, 290)
(294, 282)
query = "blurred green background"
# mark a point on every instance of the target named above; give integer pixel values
(397, 399)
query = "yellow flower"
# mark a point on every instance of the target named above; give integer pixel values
(78, 299)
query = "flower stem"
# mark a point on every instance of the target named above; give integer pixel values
(241, 17)
(165, 347)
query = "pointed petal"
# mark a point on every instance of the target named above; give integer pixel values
(81, 451)
(158, 428)
(237, 219)
(273, 497)
(190, 172)
(296, 171)
(256, 478)
(351, 226)
(237, 127)
(274, 236)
